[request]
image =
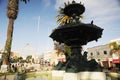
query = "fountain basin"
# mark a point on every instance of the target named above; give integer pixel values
(76, 34)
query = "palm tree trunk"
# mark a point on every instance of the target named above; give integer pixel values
(8, 42)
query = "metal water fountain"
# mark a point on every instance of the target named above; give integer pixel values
(72, 32)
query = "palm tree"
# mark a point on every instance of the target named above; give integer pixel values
(28, 58)
(12, 12)
(62, 48)
(115, 48)
(57, 48)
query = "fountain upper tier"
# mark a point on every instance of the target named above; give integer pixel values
(75, 8)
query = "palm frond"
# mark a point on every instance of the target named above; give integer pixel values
(66, 19)
(65, 4)
(59, 21)
(81, 16)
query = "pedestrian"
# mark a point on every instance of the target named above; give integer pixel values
(13, 68)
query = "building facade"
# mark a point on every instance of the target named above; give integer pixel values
(53, 57)
(101, 54)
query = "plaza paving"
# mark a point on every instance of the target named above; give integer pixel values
(8, 77)
(47, 75)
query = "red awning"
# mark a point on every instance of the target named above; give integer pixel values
(116, 60)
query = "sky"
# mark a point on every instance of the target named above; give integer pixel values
(36, 20)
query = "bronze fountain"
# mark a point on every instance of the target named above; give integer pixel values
(72, 32)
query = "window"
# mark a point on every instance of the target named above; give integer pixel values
(91, 54)
(98, 53)
(98, 59)
(105, 52)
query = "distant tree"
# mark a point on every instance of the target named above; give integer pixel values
(15, 59)
(115, 48)
(59, 48)
(62, 48)
(20, 59)
(28, 58)
(56, 45)
(67, 50)
(12, 12)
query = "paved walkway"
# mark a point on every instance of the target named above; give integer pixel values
(8, 77)
(114, 76)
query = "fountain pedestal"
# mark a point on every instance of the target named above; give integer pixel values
(57, 75)
(62, 75)
(85, 76)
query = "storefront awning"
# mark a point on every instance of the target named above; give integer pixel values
(116, 61)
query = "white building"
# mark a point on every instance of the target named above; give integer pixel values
(53, 58)
(101, 54)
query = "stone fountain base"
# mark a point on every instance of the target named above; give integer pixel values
(85, 75)
(57, 74)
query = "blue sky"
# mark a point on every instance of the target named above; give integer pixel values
(37, 19)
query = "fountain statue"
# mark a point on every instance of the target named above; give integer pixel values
(73, 33)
